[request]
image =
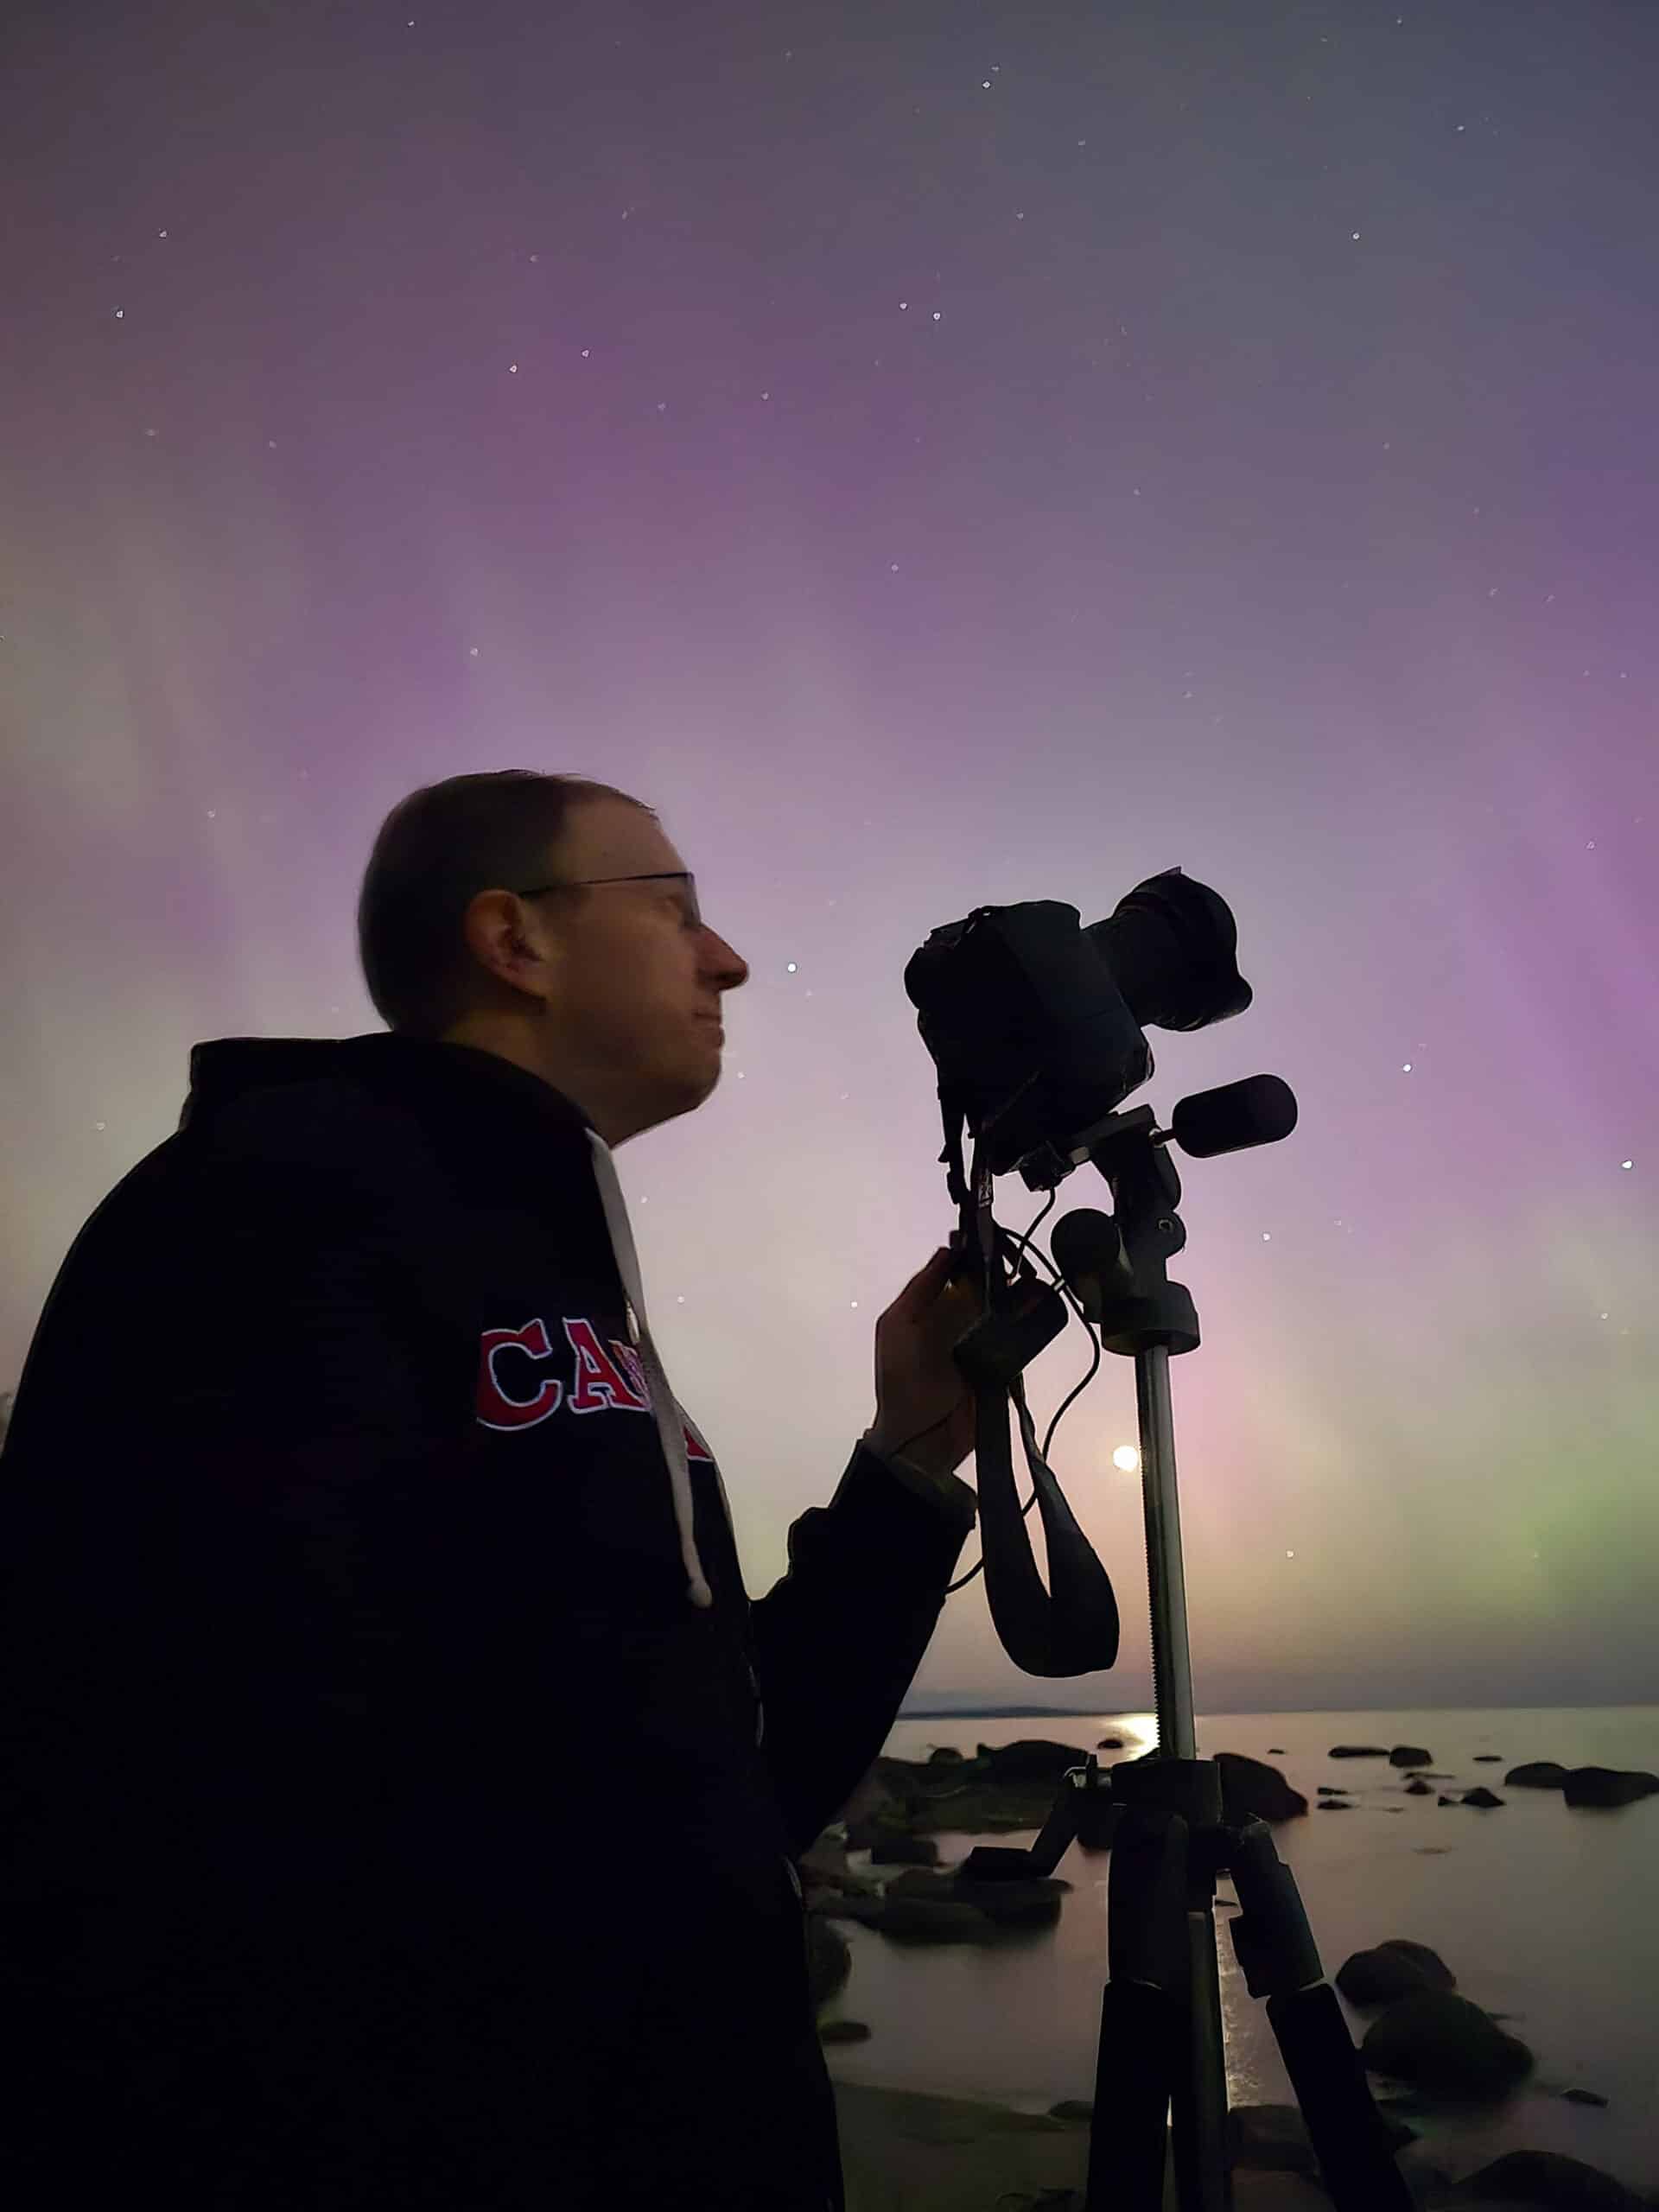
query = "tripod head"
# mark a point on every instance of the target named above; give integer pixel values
(1034, 1023)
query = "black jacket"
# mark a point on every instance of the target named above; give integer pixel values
(398, 1789)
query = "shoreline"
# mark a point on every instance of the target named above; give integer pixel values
(904, 2151)
(910, 2151)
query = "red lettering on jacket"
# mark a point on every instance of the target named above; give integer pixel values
(600, 1386)
(495, 1408)
(612, 1381)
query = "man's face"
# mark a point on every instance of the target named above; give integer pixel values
(634, 981)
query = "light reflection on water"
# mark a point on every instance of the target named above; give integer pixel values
(1542, 1913)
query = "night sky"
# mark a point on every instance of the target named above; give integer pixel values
(936, 456)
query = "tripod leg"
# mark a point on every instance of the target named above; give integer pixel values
(1144, 2013)
(1280, 1961)
(1129, 2132)
(1203, 2182)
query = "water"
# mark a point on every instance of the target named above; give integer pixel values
(1546, 1914)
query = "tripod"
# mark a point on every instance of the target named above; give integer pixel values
(1159, 2067)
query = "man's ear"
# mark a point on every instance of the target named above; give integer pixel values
(481, 929)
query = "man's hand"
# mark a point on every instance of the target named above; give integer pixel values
(924, 1407)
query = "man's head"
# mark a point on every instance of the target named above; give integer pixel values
(603, 991)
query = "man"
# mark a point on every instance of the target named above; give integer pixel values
(399, 1792)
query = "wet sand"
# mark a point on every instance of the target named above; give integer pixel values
(901, 2152)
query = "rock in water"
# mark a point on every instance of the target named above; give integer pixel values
(1031, 1759)
(1444, 2043)
(1409, 1754)
(1545, 2178)
(918, 1920)
(904, 1851)
(1607, 1785)
(1034, 1903)
(1392, 1970)
(1251, 1789)
(1359, 1752)
(829, 1961)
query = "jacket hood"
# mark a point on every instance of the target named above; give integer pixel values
(225, 1070)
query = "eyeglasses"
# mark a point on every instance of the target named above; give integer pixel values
(665, 875)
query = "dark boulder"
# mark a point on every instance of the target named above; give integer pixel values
(1536, 1774)
(1607, 1785)
(823, 1870)
(925, 1920)
(1033, 1903)
(1391, 1971)
(1409, 1754)
(1480, 1796)
(866, 1906)
(1547, 2179)
(870, 1835)
(945, 1755)
(1488, 1758)
(829, 1960)
(981, 1795)
(1359, 1752)
(1252, 1790)
(904, 1851)
(920, 1906)
(1443, 2043)
(1416, 1789)
(1334, 1805)
(1032, 1758)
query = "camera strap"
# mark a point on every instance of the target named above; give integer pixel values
(1072, 1628)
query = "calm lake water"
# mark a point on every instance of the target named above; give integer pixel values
(1548, 1915)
